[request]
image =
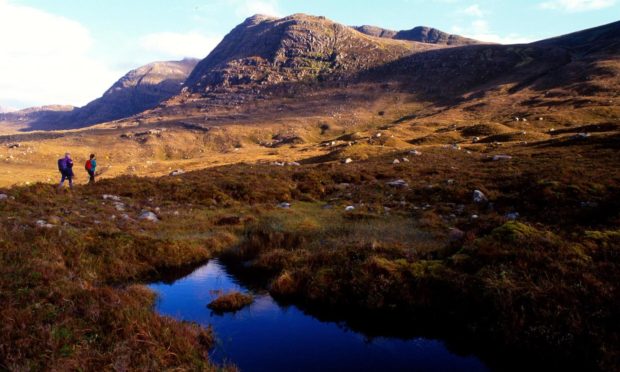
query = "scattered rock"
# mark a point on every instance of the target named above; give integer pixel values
(43, 224)
(347, 161)
(415, 153)
(13, 145)
(475, 140)
(405, 160)
(4, 196)
(479, 197)
(456, 147)
(293, 164)
(111, 197)
(147, 216)
(177, 172)
(474, 217)
(119, 206)
(284, 205)
(396, 161)
(501, 157)
(400, 184)
(349, 208)
(581, 136)
(512, 216)
(278, 164)
(450, 182)
(378, 135)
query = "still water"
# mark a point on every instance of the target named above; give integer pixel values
(267, 336)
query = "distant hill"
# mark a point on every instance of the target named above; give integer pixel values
(139, 90)
(420, 34)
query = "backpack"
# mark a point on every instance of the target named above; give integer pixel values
(88, 165)
(62, 165)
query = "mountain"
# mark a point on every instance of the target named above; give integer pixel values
(266, 51)
(301, 56)
(139, 90)
(420, 34)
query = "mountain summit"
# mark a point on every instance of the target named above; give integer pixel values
(265, 50)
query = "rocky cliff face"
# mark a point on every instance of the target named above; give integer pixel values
(265, 51)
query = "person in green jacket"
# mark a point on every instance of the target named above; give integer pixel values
(91, 168)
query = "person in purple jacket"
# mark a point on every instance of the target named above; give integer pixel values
(65, 166)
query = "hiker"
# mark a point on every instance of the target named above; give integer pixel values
(91, 167)
(65, 166)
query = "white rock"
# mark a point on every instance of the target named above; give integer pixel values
(284, 205)
(396, 161)
(119, 206)
(378, 135)
(44, 224)
(347, 161)
(405, 160)
(147, 216)
(415, 153)
(349, 208)
(474, 217)
(475, 140)
(294, 164)
(479, 197)
(177, 172)
(401, 184)
(582, 135)
(513, 216)
(501, 157)
(4, 196)
(111, 197)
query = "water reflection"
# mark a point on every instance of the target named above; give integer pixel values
(267, 336)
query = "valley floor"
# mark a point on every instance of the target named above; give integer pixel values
(527, 265)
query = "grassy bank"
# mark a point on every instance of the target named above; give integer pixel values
(545, 284)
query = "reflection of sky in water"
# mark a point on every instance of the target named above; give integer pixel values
(267, 337)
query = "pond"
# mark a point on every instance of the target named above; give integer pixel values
(268, 336)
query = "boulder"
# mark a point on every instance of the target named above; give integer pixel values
(347, 161)
(400, 184)
(349, 208)
(512, 216)
(396, 161)
(177, 172)
(111, 197)
(147, 216)
(479, 197)
(501, 157)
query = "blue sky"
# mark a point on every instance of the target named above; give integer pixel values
(71, 51)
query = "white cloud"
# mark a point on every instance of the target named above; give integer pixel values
(45, 59)
(247, 8)
(173, 45)
(480, 30)
(473, 10)
(577, 5)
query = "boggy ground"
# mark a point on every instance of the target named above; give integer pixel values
(545, 285)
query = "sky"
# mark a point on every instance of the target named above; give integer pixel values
(71, 51)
